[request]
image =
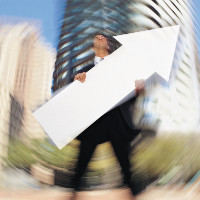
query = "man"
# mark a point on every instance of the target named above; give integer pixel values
(115, 126)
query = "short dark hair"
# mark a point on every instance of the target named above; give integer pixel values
(100, 33)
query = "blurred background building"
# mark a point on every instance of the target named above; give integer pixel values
(178, 108)
(26, 67)
(174, 107)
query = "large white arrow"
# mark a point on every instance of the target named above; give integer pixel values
(80, 104)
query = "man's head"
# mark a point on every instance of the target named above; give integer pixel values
(100, 42)
(106, 42)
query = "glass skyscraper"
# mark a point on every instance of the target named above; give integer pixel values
(81, 21)
(84, 18)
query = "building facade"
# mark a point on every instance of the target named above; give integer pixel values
(178, 110)
(81, 21)
(26, 69)
(83, 18)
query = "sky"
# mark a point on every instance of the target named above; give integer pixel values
(197, 19)
(48, 12)
(45, 12)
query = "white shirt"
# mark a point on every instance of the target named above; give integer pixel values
(97, 60)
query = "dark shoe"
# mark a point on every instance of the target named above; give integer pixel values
(138, 184)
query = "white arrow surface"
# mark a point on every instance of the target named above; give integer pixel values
(80, 104)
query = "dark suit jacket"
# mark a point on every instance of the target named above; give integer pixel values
(126, 108)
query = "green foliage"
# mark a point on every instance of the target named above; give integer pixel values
(162, 154)
(50, 154)
(19, 155)
(155, 158)
(22, 155)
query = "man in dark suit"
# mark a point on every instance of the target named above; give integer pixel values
(115, 126)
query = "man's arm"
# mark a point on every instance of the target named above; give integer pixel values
(81, 74)
(80, 77)
(139, 86)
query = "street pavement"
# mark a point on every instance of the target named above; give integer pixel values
(18, 185)
(51, 194)
(115, 194)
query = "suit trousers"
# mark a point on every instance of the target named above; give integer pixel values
(110, 127)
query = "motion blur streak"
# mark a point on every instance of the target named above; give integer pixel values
(166, 167)
(26, 67)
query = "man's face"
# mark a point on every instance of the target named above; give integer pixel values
(100, 41)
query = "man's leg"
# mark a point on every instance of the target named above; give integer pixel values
(119, 135)
(87, 148)
(122, 152)
(94, 135)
